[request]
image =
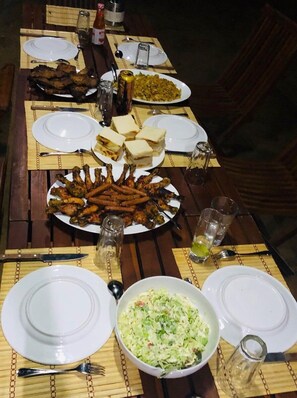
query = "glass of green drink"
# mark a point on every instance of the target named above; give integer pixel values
(205, 234)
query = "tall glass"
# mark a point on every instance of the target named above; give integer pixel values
(142, 56)
(103, 107)
(83, 28)
(228, 208)
(205, 233)
(197, 169)
(235, 376)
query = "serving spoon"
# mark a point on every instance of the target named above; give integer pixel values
(228, 254)
(79, 48)
(116, 288)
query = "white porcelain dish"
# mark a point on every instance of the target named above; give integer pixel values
(66, 131)
(182, 134)
(50, 48)
(129, 50)
(58, 315)
(249, 301)
(185, 90)
(173, 285)
(132, 229)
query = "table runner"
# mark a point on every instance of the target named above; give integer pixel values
(114, 40)
(67, 16)
(61, 162)
(121, 376)
(273, 378)
(25, 59)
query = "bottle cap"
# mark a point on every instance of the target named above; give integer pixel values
(100, 6)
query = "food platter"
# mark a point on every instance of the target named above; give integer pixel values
(89, 92)
(66, 131)
(182, 134)
(58, 315)
(129, 50)
(249, 301)
(50, 48)
(185, 90)
(93, 228)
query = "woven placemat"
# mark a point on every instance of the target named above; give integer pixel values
(121, 377)
(67, 16)
(61, 162)
(25, 59)
(115, 40)
(272, 378)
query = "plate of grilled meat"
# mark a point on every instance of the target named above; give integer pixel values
(84, 197)
(64, 81)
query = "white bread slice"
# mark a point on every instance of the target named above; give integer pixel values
(110, 143)
(139, 152)
(125, 125)
(154, 136)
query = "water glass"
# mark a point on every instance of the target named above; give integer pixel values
(83, 28)
(197, 169)
(229, 209)
(235, 376)
(205, 233)
(103, 107)
(109, 245)
(142, 56)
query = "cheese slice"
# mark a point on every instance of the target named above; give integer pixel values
(125, 125)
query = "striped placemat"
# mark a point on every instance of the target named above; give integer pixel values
(67, 16)
(61, 162)
(25, 59)
(272, 378)
(115, 40)
(121, 376)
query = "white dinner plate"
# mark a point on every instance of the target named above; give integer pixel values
(182, 134)
(185, 90)
(132, 229)
(50, 48)
(66, 131)
(129, 50)
(249, 301)
(89, 92)
(58, 315)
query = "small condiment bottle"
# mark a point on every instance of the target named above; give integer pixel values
(98, 33)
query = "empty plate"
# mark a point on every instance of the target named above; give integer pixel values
(50, 48)
(129, 50)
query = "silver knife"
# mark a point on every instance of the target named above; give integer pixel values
(57, 108)
(41, 257)
(281, 357)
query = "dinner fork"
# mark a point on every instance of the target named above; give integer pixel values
(85, 368)
(127, 39)
(78, 151)
(40, 61)
(159, 112)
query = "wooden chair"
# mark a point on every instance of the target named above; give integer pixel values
(222, 106)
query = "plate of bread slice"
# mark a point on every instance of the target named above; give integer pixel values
(125, 142)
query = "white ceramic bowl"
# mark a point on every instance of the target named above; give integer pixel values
(173, 285)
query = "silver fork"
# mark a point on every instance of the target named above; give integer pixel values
(40, 61)
(78, 151)
(85, 368)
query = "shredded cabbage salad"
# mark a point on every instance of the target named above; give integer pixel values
(164, 330)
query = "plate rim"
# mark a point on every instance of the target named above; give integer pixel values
(72, 50)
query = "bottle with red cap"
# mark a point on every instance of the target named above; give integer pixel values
(98, 34)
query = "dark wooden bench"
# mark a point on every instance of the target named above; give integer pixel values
(6, 84)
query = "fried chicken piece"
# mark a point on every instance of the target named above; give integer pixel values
(73, 187)
(167, 195)
(143, 180)
(70, 209)
(61, 192)
(128, 219)
(109, 176)
(140, 217)
(122, 177)
(96, 218)
(66, 68)
(84, 80)
(88, 180)
(130, 180)
(46, 72)
(154, 187)
(86, 211)
(99, 178)
(78, 92)
(165, 206)
(77, 177)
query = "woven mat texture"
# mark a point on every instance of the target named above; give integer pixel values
(67, 16)
(61, 162)
(115, 40)
(25, 59)
(272, 378)
(121, 377)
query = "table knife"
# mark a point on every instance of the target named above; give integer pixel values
(40, 35)
(281, 357)
(57, 108)
(41, 257)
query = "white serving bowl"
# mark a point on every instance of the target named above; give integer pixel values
(173, 285)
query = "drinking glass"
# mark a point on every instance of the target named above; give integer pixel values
(109, 245)
(205, 233)
(83, 28)
(142, 56)
(229, 209)
(103, 107)
(198, 165)
(235, 376)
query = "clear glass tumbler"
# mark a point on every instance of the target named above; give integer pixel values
(235, 376)
(205, 233)
(142, 56)
(197, 169)
(83, 28)
(103, 107)
(228, 208)
(109, 246)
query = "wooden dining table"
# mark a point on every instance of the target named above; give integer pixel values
(155, 252)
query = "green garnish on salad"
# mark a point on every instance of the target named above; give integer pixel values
(164, 330)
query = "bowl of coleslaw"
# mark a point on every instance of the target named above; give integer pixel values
(166, 327)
